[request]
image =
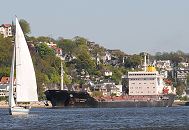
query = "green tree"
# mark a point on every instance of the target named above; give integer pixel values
(42, 81)
(25, 26)
(133, 61)
(84, 60)
(6, 51)
(180, 88)
(79, 40)
(175, 57)
(67, 45)
(44, 50)
(116, 76)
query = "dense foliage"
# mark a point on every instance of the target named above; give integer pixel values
(25, 26)
(6, 48)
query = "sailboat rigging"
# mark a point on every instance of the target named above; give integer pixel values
(26, 86)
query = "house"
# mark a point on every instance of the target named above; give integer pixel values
(67, 57)
(163, 64)
(183, 65)
(107, 73)
(51, 44)
(181, 74)
(6, 30)
(107, 57)
(164, 73)
(58, 51)
(119, 90)
(4, 82)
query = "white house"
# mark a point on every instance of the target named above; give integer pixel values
(107, 73)
(107, 56)
(6, 30)
(163, 64)
(4, 86)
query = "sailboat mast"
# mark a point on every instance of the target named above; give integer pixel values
(62, 77)
(11, 84)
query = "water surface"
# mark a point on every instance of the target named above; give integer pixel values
(99, 118)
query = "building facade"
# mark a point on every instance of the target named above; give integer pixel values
(6, 30)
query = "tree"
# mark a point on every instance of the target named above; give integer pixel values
(67, 45)
(44, 50)
(45, 39)
(6, 51)
(84, 60)
(80, 40)
(133, 61)
(180, 88)
(175, 57)
(116, 76)
(25, 26)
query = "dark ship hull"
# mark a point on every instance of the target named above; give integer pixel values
(63, 98)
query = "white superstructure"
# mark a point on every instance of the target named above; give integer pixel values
(145, 83)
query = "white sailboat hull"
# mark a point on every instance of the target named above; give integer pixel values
(19, 110)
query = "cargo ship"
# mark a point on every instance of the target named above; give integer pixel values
(64, 98)
(145, 88)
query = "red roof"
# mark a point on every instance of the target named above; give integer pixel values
(58, 49)
(6, 25)
(4, 80)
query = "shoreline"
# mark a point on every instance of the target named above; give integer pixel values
(40, 104)
(179, 103)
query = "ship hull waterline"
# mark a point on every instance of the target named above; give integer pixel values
(63, 98)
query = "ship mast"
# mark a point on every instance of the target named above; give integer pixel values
(62, 77)
(145, 62)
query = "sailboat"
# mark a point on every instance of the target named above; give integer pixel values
(26, 87)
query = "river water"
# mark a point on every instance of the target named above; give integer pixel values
(99, 118)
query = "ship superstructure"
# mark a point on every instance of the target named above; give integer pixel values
(145, 83)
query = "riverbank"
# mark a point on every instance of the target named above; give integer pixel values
(40, 104)
(179, 103)
(3, 104)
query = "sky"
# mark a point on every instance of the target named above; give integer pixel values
(133, 26)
